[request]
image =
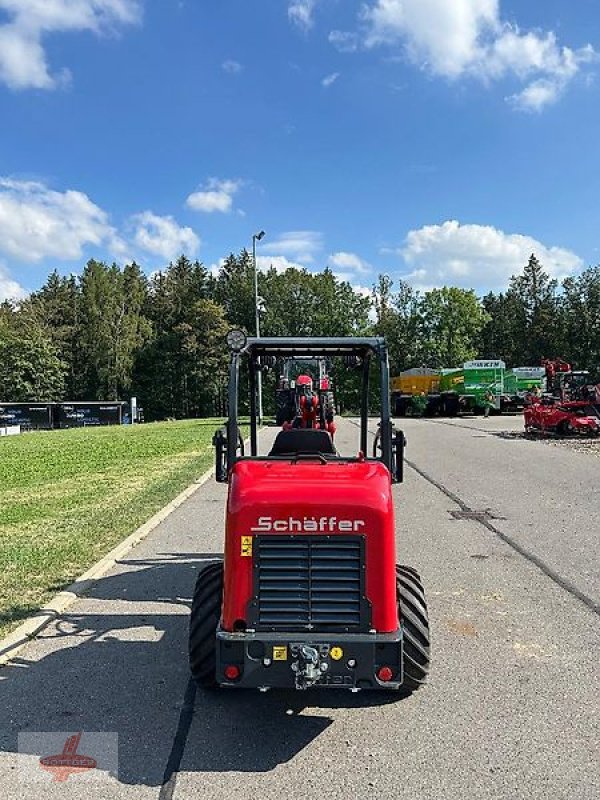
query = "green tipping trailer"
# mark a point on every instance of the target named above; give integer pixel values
(484, 385)
(477, 387)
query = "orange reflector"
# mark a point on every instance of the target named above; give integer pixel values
(232, 672)
(385, 674)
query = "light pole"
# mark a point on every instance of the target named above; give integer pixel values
(256, 237)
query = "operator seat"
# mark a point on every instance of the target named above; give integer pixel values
(303, 440)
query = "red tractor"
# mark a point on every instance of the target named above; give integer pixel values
(302, 405)
(565, 383)
(309, 593)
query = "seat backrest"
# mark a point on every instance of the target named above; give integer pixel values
(302, 440)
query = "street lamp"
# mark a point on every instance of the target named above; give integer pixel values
(256, 237)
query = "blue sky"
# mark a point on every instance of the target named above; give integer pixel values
(438, 142)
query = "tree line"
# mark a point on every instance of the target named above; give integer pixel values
(114, 332)
(536, 317)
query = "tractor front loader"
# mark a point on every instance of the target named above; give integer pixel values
(309, 593)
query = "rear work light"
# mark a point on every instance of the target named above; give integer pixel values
(385, 674)
(232, 672)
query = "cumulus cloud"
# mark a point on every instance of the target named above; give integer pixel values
(278, 263)
(23, 61)
(231, 67)
(470, 38)
(301, 13)
(329, 80)
(37, 222)
(216, 195)
(9, 288)
(349, 262)
(537, 95)
(477, 256)
(162, 236)
(302, 246)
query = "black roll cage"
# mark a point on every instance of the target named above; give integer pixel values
(264, 350)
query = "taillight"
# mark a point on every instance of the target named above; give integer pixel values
(385, 674)
(232, 672)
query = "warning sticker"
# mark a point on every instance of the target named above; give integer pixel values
(246, 549)
(280, 653)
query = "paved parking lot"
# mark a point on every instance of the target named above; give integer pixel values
(511, 709)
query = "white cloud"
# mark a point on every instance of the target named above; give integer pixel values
(302, 246)
(264, 264)
(537, 95)
(23, 62)
(301, 13)
(216, 195)
(215, 268)
(231, 67)
(444, 36)
(162, 236)
(349, 262)
(469, 38)
(344, 41)
(37, 222)
(477, 256)
(9, 288)
(279, 263)
(329, 80)
(121, 249)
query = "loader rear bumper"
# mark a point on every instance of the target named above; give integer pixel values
(302, 661)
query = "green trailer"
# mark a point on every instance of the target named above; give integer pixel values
(477, 387)
(484, 385)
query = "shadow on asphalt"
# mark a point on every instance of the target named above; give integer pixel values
(126, 671)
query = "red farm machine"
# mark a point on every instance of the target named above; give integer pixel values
(304, 401)
(309, 593)
(567, 408)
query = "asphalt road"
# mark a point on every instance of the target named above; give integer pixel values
(511, 709)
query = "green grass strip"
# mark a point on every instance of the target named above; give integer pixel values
(68, 497)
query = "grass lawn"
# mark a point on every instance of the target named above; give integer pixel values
(68, 497)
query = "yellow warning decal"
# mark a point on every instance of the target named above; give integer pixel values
(280, 653)
(336, 653)
(246, 546)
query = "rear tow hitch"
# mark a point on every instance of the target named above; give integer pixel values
(310, 663)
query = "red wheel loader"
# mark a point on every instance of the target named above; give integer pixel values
(309, 593)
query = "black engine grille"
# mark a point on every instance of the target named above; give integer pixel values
(309, 583)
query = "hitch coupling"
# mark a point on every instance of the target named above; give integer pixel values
(310, 663)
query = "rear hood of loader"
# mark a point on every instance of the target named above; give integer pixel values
(311, 498)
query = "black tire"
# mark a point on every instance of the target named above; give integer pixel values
(400, 405)
(412, 610)
(450, 406)
(564, 429)
(204, 618)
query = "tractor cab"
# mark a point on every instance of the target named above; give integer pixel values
(309, 594)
